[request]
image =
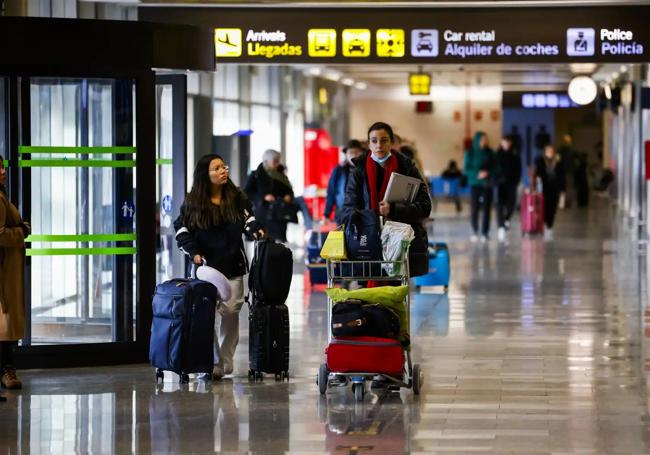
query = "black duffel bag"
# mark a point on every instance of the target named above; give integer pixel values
(359, 318)
(271, 272)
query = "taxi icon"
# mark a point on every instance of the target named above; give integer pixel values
(356, 45)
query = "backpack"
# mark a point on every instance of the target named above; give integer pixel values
(362, 236)
(271, 272)
(358, 318)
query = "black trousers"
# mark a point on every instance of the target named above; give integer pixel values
(7, 354)
(551, 200)
(506, 201)
(481, 198)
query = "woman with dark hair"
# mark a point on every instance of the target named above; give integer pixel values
(272, 195)
(209, 229)
(13, 231)
(367, 186)
(550, 170)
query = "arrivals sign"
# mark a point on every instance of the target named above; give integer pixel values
(420, 35)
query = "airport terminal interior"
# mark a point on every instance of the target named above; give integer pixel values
(527, 332)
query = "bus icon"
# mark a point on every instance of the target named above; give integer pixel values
(321, 42)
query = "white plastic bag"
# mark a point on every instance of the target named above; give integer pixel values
(395, 239)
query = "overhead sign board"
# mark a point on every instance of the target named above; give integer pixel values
(420, 35)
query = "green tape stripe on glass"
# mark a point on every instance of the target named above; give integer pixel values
(82, 238)
(80, 251)
(76, 163)
(77, 150)
(164, 161)
(6, 163)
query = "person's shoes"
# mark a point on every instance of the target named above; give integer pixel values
(506, 224)
(227, 369)
(501, 234)
(548, 235)
(473, 238)
(204, 376)
(217, 372)
(484, 239)
(9, 379)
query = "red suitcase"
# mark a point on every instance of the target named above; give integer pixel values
(532, 213)
(365, 354)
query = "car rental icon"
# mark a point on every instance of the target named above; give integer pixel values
(425, 45)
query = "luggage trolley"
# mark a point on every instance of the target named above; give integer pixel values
(342, 271)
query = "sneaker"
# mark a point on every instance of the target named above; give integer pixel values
(204, 376)
(484, 239)
(9, 379)
(473, 238)
(548, 235)
(501, 234)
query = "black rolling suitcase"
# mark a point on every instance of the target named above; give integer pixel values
(182, 330)
(268, 346)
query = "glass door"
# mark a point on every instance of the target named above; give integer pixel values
(171, 144)
(78, 179)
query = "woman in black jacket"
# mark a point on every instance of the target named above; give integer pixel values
(367, 185)
(550, 169)
(271, 193)
(209, 229)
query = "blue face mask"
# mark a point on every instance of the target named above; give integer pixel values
(380, 160)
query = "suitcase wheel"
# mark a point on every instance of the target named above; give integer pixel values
(184, 378)
(251, 375)
(160, 375)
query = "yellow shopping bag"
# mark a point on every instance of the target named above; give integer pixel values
(334, 246)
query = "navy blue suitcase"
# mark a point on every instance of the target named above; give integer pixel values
(182, 331)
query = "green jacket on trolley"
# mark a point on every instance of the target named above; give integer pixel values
(479, 159)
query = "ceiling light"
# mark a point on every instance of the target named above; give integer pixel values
(347, 81)
(332, 76)
(582, 90)
(582, 68)
(608, 91)
(360, 85)
(314, 71)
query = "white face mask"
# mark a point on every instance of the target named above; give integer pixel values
(380, 160)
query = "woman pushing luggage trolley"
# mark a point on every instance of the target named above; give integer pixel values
(358, 359)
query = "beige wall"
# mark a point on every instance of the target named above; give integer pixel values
(437, 137)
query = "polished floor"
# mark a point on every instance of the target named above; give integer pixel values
(537, 348)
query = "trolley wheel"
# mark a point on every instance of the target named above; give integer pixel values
(160, 375)
(359, 391)
(185, 378)
(418, 379)
(322, 378)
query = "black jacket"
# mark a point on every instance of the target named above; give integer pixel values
(508, 167)
(553, 182)
(221, 245)
(258, 185)
(357, 197)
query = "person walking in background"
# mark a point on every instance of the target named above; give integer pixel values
(550, 170)
(213, 217)
(272, 195)
(569, 157)
(507, 176)
(581, 180)
(339, 180)
(452, 173)
(13, 231)
(479, 167)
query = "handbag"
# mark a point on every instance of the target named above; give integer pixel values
(283, 211)
(334, 246)
(362, 236)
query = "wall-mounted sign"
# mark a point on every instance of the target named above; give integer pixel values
(417, 35)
